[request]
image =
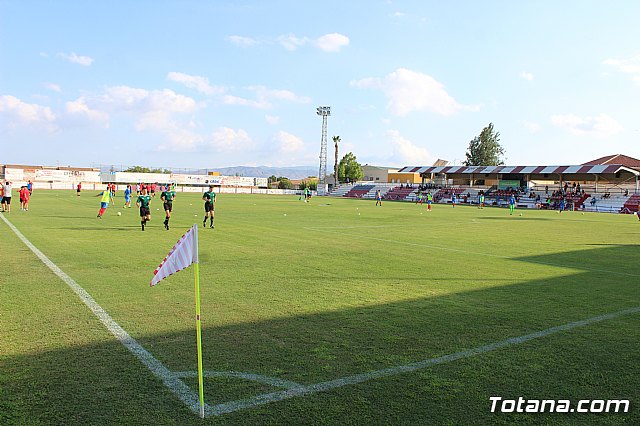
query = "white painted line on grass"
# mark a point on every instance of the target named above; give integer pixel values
(173, 383)
(497, 256)
(266, 398)
(272, 381)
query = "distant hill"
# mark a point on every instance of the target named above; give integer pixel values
(297, 172)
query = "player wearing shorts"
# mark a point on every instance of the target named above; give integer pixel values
(6, 198)
(127, 197)
(481, 200)
(378, 198)
(143, 202)
(167, 198)
(454, 200)
(107, 197)
(429, 201)
(209, 198)
(24, 198)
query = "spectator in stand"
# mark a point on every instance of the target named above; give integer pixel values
(626, 192)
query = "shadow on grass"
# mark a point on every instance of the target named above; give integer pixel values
(103, 383)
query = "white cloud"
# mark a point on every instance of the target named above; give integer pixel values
(406, 151)
(124, 97)
(627, 66)
(77, 59)
(226, 139)
(409, 91)
(236, 100)
(288, 142)
(143, 101)
(19, 113)
(264, 98)
(264, 93)
(80, 108)
(332, 42)
(53, 87)
(291, 42)
(600, 125)
(272, 119)
(526, 75)
(201, 84)
(532, 127)
(242, 41)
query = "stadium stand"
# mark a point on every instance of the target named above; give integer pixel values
(600, 203)
(631, 205)
(399, 193)
(359, 191)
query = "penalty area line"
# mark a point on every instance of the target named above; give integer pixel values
(170, 381)
(267, 398)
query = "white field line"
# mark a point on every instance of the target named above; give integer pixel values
(497, 256)
(266, 398)
(173, 383)
(275, 382)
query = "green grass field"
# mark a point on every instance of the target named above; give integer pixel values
(311, 293)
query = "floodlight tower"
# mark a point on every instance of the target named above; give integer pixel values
(325, 112)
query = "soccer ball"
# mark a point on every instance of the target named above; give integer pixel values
(520, 214)
(119, 213)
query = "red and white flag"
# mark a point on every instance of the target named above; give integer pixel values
(183, 254)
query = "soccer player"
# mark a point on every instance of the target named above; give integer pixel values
(79, 188)
(209, 205)
(30, 187)
(378, 198)
(512, 204)
(107, 197)
(454, 200)
(481, 200)
(6, 198)
(127, 197)
(167, 198)
(429, 201)
(143, 201)
(307, 194)
(419, 197)
(24, 198)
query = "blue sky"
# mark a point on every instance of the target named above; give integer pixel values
(222, 83)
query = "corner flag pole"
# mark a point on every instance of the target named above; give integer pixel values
(198, 324)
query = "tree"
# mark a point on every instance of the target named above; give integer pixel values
(485, 149)
(336, 140)
(140, 169)
(349, 168)
(284, 183)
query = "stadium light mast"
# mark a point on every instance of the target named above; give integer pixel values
(325, 112)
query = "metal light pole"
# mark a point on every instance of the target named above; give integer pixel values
(325, 112)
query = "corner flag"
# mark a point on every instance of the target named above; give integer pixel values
(183, 254)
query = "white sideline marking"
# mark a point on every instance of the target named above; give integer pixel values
(174, 384)
(266, 398)
(273, 381)
(407, 243)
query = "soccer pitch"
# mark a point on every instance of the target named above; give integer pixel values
(332, 312)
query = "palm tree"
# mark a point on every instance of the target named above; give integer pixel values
(336, 139)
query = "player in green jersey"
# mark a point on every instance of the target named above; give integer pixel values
(143, 202)
(167, 198)
(209, 198)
